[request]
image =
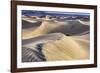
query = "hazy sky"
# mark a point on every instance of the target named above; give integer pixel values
(54, 13)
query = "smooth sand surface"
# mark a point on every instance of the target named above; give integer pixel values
(66, 48)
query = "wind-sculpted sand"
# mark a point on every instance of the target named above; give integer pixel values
(52, 26)
(50, 41)
(66, 48)
(44, 28)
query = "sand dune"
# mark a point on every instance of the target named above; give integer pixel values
(66, 49)
(52, 26)
(84, 22)
(83, 36)
(41, 39)
(27, 24)
(57, 46)
(28, 27)
(45, 27)
(60, 40)
(31, 19)
(71, 28)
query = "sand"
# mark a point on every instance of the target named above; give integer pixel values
(74, 47)
(66, 49)
(52, 26)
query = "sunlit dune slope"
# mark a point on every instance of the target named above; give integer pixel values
(66, 48)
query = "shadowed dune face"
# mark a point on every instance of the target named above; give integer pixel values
(53, 36)
(51, 39)
(30, 55)
(71, 28)
(27, 24)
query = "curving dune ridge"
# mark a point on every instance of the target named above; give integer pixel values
(45, 27)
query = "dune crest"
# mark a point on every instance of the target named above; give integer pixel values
(84, 22)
